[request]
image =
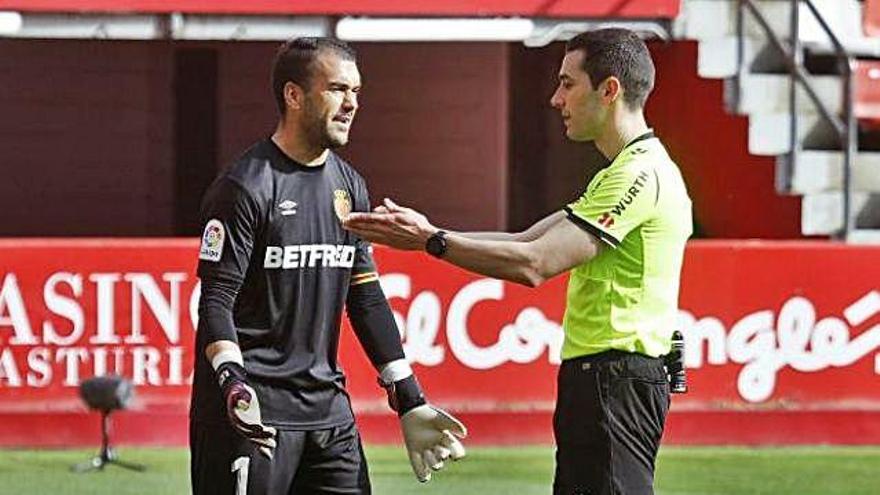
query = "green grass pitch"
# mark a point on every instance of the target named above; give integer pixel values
(486, 471)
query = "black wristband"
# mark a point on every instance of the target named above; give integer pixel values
(407, 394)
(229, 373)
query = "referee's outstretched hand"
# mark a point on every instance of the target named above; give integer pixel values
(392, 225)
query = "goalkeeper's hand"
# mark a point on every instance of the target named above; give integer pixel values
(243, 408)
(432, 437)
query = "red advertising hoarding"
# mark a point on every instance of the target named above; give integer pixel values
(783, 340)
(666, 9)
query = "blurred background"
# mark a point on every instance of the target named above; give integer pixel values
(116, 115)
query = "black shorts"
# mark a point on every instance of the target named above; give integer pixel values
(609, 418)
(305, 462)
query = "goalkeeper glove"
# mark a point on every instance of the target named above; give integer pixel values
(430, 434)
(243, 408)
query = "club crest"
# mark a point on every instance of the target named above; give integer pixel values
(341, 203)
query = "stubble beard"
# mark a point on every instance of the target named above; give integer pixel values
(318, 130)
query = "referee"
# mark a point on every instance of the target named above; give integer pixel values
(270, 414)
(622, 241)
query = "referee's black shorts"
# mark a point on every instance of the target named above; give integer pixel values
(609, 418)
(327, 461)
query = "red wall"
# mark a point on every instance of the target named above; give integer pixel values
(85, 138)
(462, 130)
(433, 129)
(246, 110)
(87, 130)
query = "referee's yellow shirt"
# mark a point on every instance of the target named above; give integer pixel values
(626, 298)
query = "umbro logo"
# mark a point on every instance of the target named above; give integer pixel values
(287, 207)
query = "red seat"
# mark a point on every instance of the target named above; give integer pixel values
(867, 93)
(871, 18)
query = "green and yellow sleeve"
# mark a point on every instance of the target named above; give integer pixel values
(616, 201)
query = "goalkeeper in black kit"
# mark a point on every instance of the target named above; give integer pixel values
(270, 413)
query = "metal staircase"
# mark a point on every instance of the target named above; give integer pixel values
(797, 92)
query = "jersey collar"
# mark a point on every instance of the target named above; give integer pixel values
(293, 164)
(642, 137)
(647, 135)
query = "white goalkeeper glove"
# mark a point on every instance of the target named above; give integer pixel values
(432, 437)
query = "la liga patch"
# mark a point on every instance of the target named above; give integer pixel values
(212, 241)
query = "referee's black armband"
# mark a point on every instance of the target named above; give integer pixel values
(215, 310)
(373, 323)
(590, 228)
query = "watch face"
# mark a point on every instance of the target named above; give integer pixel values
(436, 245)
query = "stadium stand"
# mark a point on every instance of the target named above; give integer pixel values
(811, 165)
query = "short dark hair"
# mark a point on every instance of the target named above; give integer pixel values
(293, 62)
(620, 53)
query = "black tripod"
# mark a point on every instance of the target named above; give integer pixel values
(107, 454)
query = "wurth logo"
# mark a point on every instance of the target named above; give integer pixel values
(631, 194)
(606, 220)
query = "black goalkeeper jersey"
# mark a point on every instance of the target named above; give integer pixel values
(273, 231)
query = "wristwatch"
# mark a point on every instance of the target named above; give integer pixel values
(436, 244)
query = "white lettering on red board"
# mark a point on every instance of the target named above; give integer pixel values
(145, 293)
(762, 341)
(62, 349)
(60, 352)
(765, 343)
(524, 340)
